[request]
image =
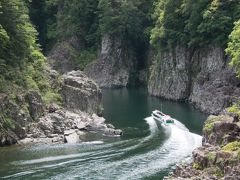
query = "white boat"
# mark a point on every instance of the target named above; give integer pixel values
(163, 118)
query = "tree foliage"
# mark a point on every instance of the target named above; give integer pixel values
(125, 19)
(78, 18)
(22, 65)
(194, 22)
(234, 47)
(18, 36)
(89, 19)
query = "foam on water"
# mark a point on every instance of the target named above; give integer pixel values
(116, 161)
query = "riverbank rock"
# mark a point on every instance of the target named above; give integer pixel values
(65, 126)
(221, 130)
(98, 125)
(36, 107)
(201, 76)
(13, 120)
(219, 157)
(81, 93)
(71, 136)
(7, 137)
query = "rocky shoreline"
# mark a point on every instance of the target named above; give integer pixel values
(63, 126)
(219, 157)
(33, 122)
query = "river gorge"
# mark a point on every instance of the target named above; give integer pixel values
(145, 151)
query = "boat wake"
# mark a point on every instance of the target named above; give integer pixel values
(124, 159)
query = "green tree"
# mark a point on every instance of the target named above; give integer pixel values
(193, 22)
(124, 19)
(37, 13)
(76, 18)
(21, 62)
(234, 47)
(192, 12)
(218, 19)
(17, 32)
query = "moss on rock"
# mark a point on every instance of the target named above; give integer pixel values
(197, 166)
(233, 146)
(211, 156)
(209, 124)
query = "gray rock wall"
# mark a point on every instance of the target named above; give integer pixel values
(169, 75)
(60, 58)
(113, 66)
(201, 76)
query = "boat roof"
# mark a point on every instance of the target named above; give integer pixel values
(159, 112)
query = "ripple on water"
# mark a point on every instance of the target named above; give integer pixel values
(123, 159)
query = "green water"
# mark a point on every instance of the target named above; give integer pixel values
(147, 150)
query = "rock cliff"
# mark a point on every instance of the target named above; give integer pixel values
(114, 64)
(60, 58)
(219, 157)
(80, 93)
(201, 76)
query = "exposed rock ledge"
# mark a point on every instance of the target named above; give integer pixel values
(38, 124)
(66, 126)
(219, 157)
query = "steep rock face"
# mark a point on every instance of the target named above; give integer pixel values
(81, 93)
(60, 57)
(169, 77)
(201, 76)
(113, 66)
(215, 87)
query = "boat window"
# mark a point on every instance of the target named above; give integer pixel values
(160, 113)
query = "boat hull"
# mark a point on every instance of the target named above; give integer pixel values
(161, 117)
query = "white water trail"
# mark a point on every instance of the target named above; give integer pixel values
(102, 162)
(153, 130)
(175, 149)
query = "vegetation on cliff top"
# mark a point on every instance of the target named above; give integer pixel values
(194, 22)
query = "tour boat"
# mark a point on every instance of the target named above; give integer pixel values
(163, 118)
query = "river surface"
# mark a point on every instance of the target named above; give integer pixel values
(147, 150)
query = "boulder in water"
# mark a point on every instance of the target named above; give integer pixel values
(71, 136)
